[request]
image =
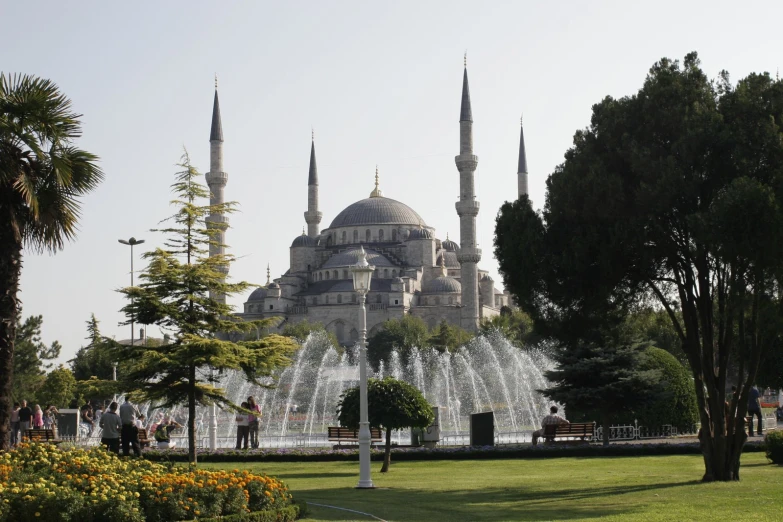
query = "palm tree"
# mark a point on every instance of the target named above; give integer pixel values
(42, 177)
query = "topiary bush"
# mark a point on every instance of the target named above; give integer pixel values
(677, 406)
(774, 444)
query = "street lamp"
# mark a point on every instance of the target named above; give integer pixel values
(362, 274)
(212, 416)
(132, 242)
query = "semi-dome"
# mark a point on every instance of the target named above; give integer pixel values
(304, 241)
(443, 285)
(351, 257)
(259, 294)
(450, 245)
(377, 211)
(420, 233)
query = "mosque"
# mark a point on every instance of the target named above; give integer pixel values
(416, 272)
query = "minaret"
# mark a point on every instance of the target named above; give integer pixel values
(522, 168)
(312, 216)
(216, 180)
(467, 210)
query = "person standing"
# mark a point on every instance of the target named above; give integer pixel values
(130, 435)
(38, 417)
(243, 426)
(25, 418)
(754, 408)
(15, 424)
(254, 420)
(111, 425)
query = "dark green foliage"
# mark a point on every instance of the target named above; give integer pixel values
(515, 325)
(671, 195)
(677, 404)
(447, 337)
(773, 442)
(654, 326)
(604, 382)
(31, 359)
(177, 294)
(59, 388)
(392, 405)
(95, 359)
(402, 334)
(302, 329)
(770, 373)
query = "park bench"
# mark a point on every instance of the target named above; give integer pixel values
(574, 432)
(41, 435)
(340, 434)
(144, 441)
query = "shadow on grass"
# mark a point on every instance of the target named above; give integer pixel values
(490, 504)
(286, 476)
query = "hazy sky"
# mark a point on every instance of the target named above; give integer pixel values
(379, 82)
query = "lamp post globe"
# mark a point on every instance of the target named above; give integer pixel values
(362, 275)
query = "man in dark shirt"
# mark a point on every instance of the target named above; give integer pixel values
(25, 416)
(754, 408)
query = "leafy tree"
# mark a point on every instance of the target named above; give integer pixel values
(515, 325)
(447, 337)
(672, 195)
(95, 359)
(602, 381)
(177, 294)
(303, 329)
(654, 326)
(31, 358)
(59, 388)
(770, 374)
(42, 178)
(392, 405)
(402, 334)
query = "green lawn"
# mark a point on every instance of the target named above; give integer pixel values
(620, 488)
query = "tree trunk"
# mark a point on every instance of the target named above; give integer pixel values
(606, 427)
(387, 453)
(10, 269)
(192, 415)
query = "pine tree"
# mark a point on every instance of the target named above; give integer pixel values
(177, 294)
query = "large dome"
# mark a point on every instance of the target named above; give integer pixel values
(377, 211)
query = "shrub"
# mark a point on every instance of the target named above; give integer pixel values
(774, 445)
(46, 482)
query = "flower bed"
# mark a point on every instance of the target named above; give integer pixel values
(42, 481)
(440, 453)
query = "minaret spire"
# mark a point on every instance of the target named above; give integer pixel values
(312, 216)
(268, 275)
(467, 210)
(522, 166)
(216, 180)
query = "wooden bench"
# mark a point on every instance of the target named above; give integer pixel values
(340, 434)
(41, 435)
(574, 432)
(142, 438)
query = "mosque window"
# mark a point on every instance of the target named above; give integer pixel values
(386, 273)
(335, 275)
(339, 330)
(345, 274)
(271, 307)
(320, 276)
(451, 300)
(355, 236)
(367, 235)
(339, 298)
(327, 275)
(437, 301)
(396, 301)
(327, 299)
(353, 298)
(394, 234)
(425, 301)
(380, 235)
(329, 240)
(378, 298)
(345, 239)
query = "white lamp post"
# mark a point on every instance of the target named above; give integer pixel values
(212, 418)
(362, 274)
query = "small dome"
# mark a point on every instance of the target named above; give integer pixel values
(486, 278)
(273, 285)
(304, 241)
(397, 280)
(259, 294)
(443, 285)
(420, 233)
(450, 246)
(351, 257)
(449, 259)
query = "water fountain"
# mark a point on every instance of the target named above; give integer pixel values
(487, 374)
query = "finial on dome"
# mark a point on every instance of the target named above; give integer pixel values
(465, 58)
(376, 193)
(521, 122)
(312, 134)
(215, 81)
(447, 236)
(303, 230)
(268, 275)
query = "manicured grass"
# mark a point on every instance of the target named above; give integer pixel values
(618, 488)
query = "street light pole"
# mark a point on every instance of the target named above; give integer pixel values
(132, 242)
(362, 274)
(213, 418)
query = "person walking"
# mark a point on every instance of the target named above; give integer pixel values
(111, 425)
(754, 408)
(25, 419)
(130, 434)
(243, 426)
(254, 420)
(15, 425)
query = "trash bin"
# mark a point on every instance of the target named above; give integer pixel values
(482, 429)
